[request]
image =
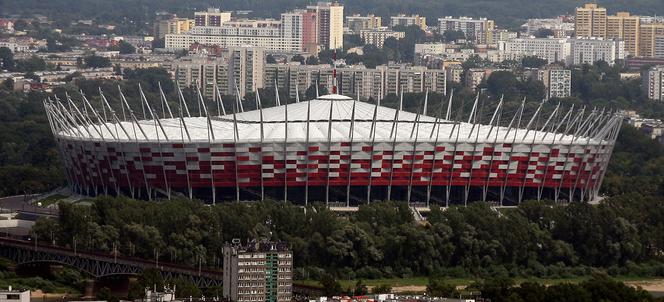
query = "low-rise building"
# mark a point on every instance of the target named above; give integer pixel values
(430, 48)
(23, 44)
(378, 36)
(12, 295)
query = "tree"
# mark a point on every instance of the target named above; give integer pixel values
(360, 289)
(331, 287)
(7, 84)
(312, 60)
(544, 33)
(503, 83)
(105, 294)
(126, 48)
(158, 43)
(297, 58)
(31, 64)
(94, 61)
(475, 62)
(382, 289)
(453, 35)
(117, 69)
(533, 62)
(269, 59)
(439, 288)
(310, 94)
(186, 288)
(151, 77)
(351, 41)
(151, 278)
(6, 58)
(496, 289)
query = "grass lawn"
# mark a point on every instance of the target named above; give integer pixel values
(53, 199)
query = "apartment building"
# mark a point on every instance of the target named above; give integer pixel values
(648, 35)
(330, 24)
(258, 272)
(369, 83)
(404, 20)
(476, 30)
(591, 50)
(241, 66)
(377, 36)
(560, 26)
(173, 26)
(266, 34)
(590, 21)
(659, 47)
(653, 83)
(302, 30)
(500, 35)
(357, 23)
(430, 48)
(557, 81)
(569, 51)
(550, 49)
(211, 17)
(626, 27)
(454, 73)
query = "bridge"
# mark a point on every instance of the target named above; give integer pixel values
(102, 265)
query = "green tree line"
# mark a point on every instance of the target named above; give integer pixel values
(621, 236)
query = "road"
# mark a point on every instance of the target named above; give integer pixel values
(21, 204)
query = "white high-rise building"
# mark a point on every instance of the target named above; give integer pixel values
(550, 49)
(558, 82)
(653, 83)
(330, 24)
(591, 50)
(570, 51)
(267, 34)
(241, 66)
(291, 26)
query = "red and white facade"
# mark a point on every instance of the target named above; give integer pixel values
(340, 151)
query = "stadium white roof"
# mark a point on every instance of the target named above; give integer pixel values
(343, 112)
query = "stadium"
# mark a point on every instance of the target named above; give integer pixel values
(333, 149)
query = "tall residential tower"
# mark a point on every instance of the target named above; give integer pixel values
(258, 272)
(591, 21)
